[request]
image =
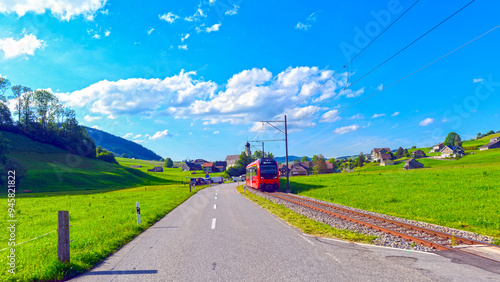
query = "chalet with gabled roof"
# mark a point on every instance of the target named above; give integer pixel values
(418, 154)
(377, 152)
(412, 164)
(494, 144)
(437, 148)
(189, 166)
(452, 152)
(386, 159)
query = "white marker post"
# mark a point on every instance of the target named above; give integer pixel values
(138, 213)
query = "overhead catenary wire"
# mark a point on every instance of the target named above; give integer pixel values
(386, 60)
(352, 59)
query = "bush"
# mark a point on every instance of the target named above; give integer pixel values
(104, 155)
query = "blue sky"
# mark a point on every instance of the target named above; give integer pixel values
(192, 79)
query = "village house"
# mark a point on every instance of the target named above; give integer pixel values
(377, 152)
(494, 144)
(452, 152)
(156, 169)
(386, 159)
(231, 160)
(199, 161)
(217, 166)
(188, 166)
(412, 164)
(418, 154)
(437, 148)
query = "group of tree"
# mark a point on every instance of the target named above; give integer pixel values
(102, 154)
(169, 163)
(40, 116)
(453, 139)
(241, 165)
(401, 153)
(479, 135)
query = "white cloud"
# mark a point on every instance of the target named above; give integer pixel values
(331, 116)
(96, 127)
(426, 122)
(137, 136)
(184, 37)
(233, 11)
(88, 118)
(307, 25)
(96, 36)
(248, 96)
(302, 26)
(214, 27)
(25, 46)
(150, 30)
(160, 135)
(378, 115)
(216, 132)
(477, 80)
(128, 135)
(63, 9)
(169, 17)
(107, 33)
(395, 114)
(347, 129)
(357, 116)
(380, 87)
(196, 16)
(183, 47)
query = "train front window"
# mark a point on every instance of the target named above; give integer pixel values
(268, 169)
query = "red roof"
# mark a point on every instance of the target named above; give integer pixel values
(208, 164)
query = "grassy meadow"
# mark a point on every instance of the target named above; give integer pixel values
(461, 194)
(100, 198)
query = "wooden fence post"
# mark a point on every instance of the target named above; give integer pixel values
(63, 236)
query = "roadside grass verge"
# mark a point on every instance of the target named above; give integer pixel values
(303, 223)
(101, 223)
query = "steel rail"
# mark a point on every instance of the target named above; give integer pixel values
(458, 239)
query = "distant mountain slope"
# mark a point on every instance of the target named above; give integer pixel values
(119, 146)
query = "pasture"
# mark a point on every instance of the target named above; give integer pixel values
(461, 194)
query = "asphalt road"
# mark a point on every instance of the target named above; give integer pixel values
(218, 235)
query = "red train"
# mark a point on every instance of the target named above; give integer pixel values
(263, 174)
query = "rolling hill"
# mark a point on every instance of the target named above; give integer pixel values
(51, 169)
(119, 146)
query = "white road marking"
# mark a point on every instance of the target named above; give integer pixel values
(216, 198)
(310, 242)
(336, 259)
(215, 206)
(213, 223)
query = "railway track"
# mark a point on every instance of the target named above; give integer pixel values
(434, 239)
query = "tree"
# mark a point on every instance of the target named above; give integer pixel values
(453, 139)
(257, 154)
(361, 159)
(332, 160)
(5, 118)
(399, 153)
(319, 164)
(125, 155)
(314, 158)
(479, 135)
(4, 85)
(104, 155)
(270, 155)
(18, 91)
(169, 162)
(304, 159)
(414, 147)
(45, 106)
(296, 161)
(490, 132)
(406, 153)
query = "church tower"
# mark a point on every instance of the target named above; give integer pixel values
(247, 149)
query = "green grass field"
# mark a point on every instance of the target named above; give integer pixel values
(462, 194)
(101, 200)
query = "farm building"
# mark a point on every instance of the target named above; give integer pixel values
(494, 144)
(187, 166)
(199, 161)
(452, 152)
(418, 154)
(412, 164)
(437, 148)
(298, 169)
(386, 160)
(231, 160)
(156, 169)
(378, 152)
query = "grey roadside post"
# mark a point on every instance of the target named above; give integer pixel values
(138, 207)
(63, 236)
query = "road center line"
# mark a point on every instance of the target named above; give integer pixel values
(216, 198)
(215, 206)
(213, 223)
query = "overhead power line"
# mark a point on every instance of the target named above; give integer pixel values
(351, 60)
(385, 61)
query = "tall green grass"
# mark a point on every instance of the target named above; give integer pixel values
(100, 224)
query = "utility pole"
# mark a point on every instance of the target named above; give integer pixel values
(286, 147)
